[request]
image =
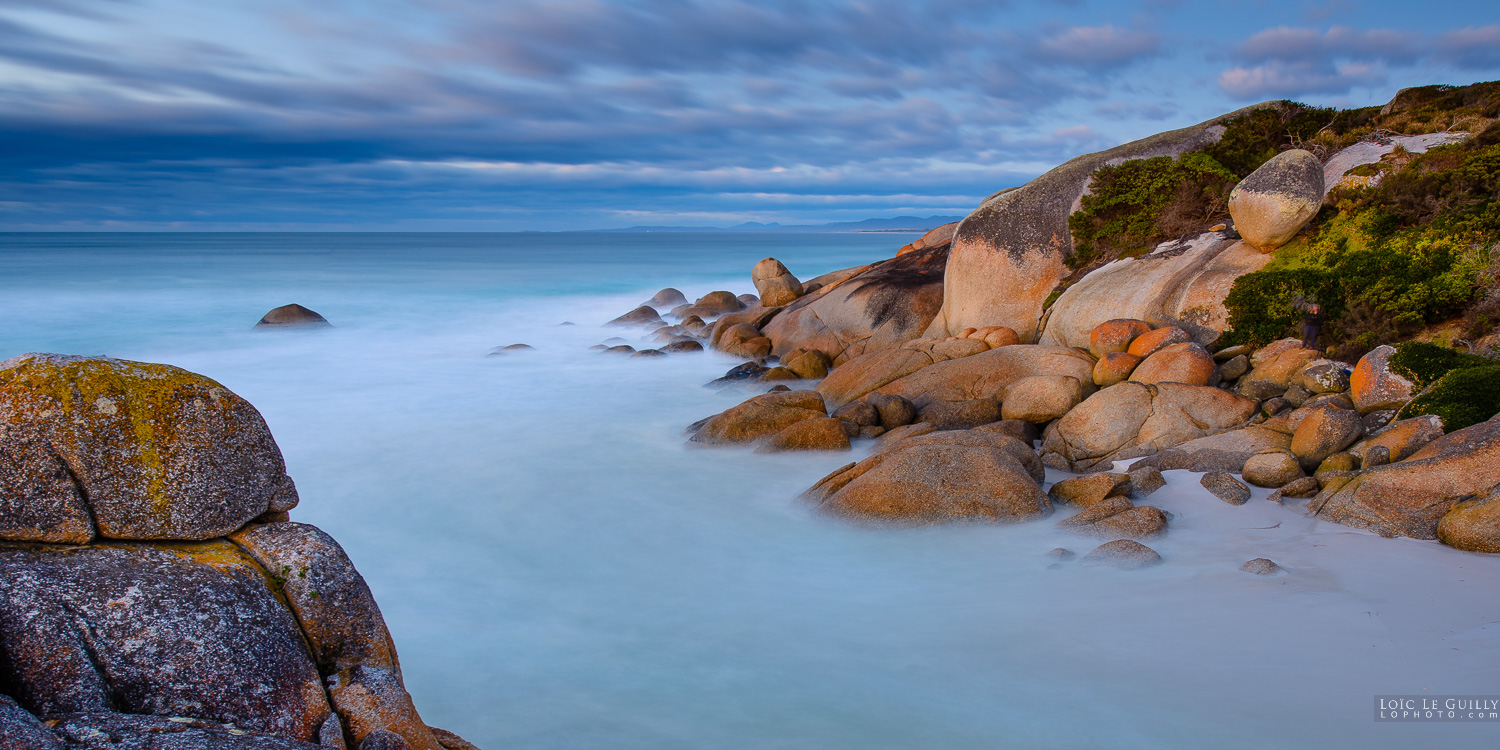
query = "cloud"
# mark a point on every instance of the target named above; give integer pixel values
(1286, 45)
(1098, 46)
(1296, 79)
(1471, 48)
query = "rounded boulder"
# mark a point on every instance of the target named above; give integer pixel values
(1115, 335)
(1186, 362)
(1275, 201)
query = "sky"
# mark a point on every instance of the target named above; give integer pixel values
(474, 115)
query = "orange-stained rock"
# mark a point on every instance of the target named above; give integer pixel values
(1090, 489)
(998, 336)
(958, 348)
(333, 604)
(810, 364)
(1147, 343)
(157, 452)
(166, 628)
(973, 477)
(987, 375)
(1407, 498)
(1039, 399)
(825, 434)
(1115, 335)
(1473, 525)
(775, 285)
(1281, 367)
(941, 237)
(1373, 386)
(1402, 438)
(1186, 363)
(864, 374)
(370, 699)
(1117, 518)
(719, 303)
(1323, 433)
(1114, 367)
(761, 416)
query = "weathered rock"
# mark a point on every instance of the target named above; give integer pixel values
(370, 699)
(501, 351)
(107, 730)
(20, 730)
(334, 606)
(959, 415)
(1261, 566)
(1280, 368)
(1144, 522)
(450, 740)
(1145, 480)
(1296, 395)
(1225, 487)
(1374, 387)
(619, 349)
(1114, 367)
(1275, 201)
(1223, 451)
(719, 303)
(666, 299)
(1106, 507)
(384, 739)
(809, 364)
(1338, 463)
(879, 307)
(808, 435)
(1305, 487)
(1376, 456)
(1179, 283)
(1378, 419)
(1149, 342)
(156, 452)
(897, 434)
(683, 347)
(1401, 438)
(639, 316)
(1039, 399)
(939, 237)
(648, 354)
(760, 417)
(861, 413)
(1090, 489)
(1008, 255)
(1323, 433)
(291, 316)
(190, 629)
(742, 340)
(1235, 368)
(1186, 363)
(894, 411)
(776, 285)
(1131, 420)
(1272, 469)
(940, 478)
(1125, 554)
(1323, 376)
(998, 336)
(1408, 497)
(958, 348)
(1061, 553)
(990, 374)
(1261, 390)
(1115, 335)
(1473, 525)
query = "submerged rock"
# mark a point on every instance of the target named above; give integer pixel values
(1261, 566)
(292, 316)
(1125, 554)
(760, 417)
(1225, 487)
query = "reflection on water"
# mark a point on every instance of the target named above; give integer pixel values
(560, 571)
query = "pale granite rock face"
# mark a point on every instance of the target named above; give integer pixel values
(1273, 203)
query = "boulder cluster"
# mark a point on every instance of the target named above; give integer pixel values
(154, 592)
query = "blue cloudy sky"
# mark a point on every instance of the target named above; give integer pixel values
(521, 114)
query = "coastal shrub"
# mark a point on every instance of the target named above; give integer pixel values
(1134, 206)
(1423, 363)
(1462, 398)
(1251, 139)
(1263, 306)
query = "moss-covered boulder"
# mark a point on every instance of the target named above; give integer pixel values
(1461, 398)
(152, 451)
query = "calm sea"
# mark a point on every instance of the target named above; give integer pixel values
(561, 571)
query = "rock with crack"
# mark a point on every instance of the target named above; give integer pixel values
(1130, 420)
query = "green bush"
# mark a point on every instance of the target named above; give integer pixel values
(1462, 398)
(1134, 206)
(1424, 363)
(1251, 139)
(1263, 305)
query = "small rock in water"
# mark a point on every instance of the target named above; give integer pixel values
(683, 347)
(1225, 487)
(499, 350)
(667, 299)
(777, 389)
(1145, 481)
(639, 316)
(1304, 487)
(740, 374)
(292, 316)
(566, 323)
(615, 341)
(621, 349)
(1261, 566)
(1125, 554)
(647, 353)
(1061, 553)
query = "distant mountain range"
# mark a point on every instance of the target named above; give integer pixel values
(897, 224)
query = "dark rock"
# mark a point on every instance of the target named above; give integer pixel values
(639, 316)
(501, 350)
(291, 316)
(621, 349)
(1376, 456)
(105, 730)
(1235, 368)
(1061, 553)
(1145, 480)
(1225, 487)
(1304, 487)
(370, 700)
(190, 629)
(382, 739)
(648, 353)
(858, 412)
(1021, 430)
(1378, 419)
(1261, 566)
(959, 415)
(1274, 406)
(1297, 395)
(20, 730)
(682, 347)
(741, 373)
(1260, 390)
(1125, 554)
(158, 452)
(895, 411)
(451, 741)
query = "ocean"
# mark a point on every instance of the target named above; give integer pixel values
(560, 570)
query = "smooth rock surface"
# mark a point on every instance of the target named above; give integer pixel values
(291, 316)
(1275, 201)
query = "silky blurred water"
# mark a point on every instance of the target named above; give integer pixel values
(560, 571)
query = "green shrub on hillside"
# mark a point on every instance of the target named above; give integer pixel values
(1423, 363)
(1251, 139)
(1464, 397)
(1136, 205)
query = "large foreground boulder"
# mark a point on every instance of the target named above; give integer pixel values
(1009, 254)
(129, 450)
(882, 306)
(1407, 498)
(1176, 284)
(1131, 420)
(969, 476)
(1275, 201)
